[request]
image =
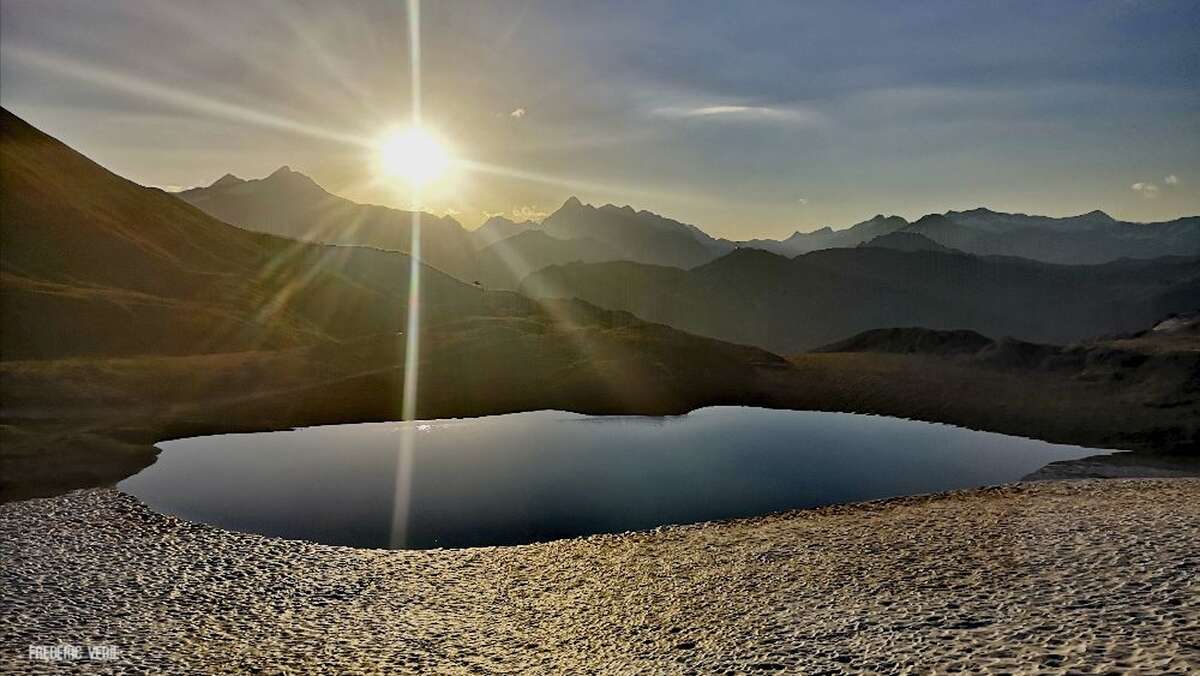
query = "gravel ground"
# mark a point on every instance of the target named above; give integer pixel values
(1052, 577)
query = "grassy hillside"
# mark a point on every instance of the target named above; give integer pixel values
(1140, 391)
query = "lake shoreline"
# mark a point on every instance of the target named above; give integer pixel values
(1052, 576)
(546, 475)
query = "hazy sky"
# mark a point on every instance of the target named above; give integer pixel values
(747, 119)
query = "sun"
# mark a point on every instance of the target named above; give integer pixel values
(415, 155)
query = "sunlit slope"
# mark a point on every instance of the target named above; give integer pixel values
(786, 305)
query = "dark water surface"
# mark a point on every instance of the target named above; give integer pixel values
(542, 475)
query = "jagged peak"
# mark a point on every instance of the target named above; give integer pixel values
(931, 218)
(226, 180)
(285, 175)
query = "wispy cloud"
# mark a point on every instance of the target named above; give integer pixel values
(801, 201)
(529, 213)
(518, 113)
(1147, 190)
(795, 115)
(1171, 180)
(519, 214)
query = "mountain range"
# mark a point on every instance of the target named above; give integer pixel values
(791, 304)
(290, 204)
(1090, 238)
(977, 269)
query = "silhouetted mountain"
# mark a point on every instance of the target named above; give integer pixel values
(828, 238)
(759, 298)
(1090, 238)
(226, 181)
(908, 241)
(505, 263)
(497, 228)
(639, 236)
(289, 204)
(986, 220)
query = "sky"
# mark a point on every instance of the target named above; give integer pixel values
(746, 119)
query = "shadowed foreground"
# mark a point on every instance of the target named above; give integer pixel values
(1088, 575)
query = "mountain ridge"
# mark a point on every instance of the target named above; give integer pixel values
(1084, 239)
(786, 304)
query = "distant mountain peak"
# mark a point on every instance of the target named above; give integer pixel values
(572, 202)
(290, 178)
(931, 218)
(226, 180)
(1097, 214)
(902, 240)
(880, 219)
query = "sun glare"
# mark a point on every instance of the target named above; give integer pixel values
(415, 155)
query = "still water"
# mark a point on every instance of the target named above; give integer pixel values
(529, 477)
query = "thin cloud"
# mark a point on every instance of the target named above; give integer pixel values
(518, 113)
(801, 201)
(1171, 180)
(746, 113)
(519, 214)
(529, 213)
(1147, 190)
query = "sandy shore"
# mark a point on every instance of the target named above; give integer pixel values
(1055, 577)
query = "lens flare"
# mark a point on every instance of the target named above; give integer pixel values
(415, 155)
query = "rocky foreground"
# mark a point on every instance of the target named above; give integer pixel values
(1053, 577)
